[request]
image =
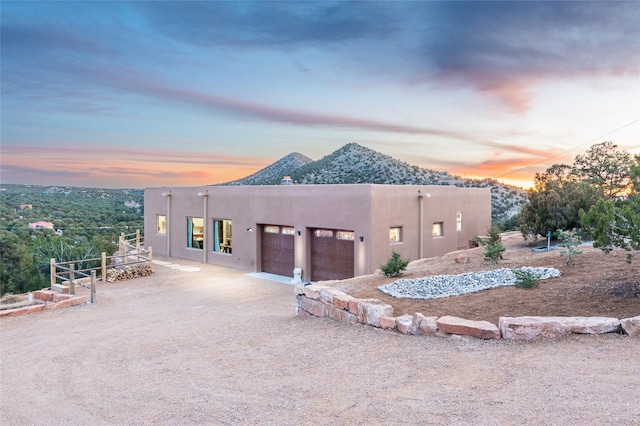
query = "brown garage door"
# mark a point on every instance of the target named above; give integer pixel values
(331, 254)
(277, 250)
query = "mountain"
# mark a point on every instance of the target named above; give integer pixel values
(355, 163)
(273, 174)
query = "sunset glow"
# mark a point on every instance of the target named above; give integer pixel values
(140, 94)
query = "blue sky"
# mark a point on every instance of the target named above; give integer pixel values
(137, 94)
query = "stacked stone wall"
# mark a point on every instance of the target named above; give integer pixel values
(45, 300)
(325, 301)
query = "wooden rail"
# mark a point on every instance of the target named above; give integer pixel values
(128, 254)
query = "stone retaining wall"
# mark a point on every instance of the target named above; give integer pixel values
(46, 299)
(324, 301)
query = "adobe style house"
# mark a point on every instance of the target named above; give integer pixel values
(328, 231)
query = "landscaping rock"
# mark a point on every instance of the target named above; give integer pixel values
(403, 323)
(58, 297)
(593, 325)
(631, 326)
(314, 307)
(353, 305)
(72, 301)
(387, 323)
(298, 290)
(415, 324)
(462, 258)
(44, 294)
(328, 294)
(529, 328)
(313, 291)
(480, 329)
(21, 311)
(341, 301)
(428, 326)
(371, 310)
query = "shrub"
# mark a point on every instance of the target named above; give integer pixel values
(394, 266)
(525, 279)
(493, 247)
(570, 240)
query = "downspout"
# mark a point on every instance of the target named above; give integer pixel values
(205, 197)
(168, 195)
(420, 225)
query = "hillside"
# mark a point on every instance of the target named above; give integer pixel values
(273, 174)
(355, 163)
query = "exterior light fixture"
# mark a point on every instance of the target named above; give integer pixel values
(361, 238)
(249, 229)
(299, 233)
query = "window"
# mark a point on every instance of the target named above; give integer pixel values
(195, 229)
(345, 235)
(288, 230)
(161, 224)
(271, 229)
(222, 235)
(323, 233)
(459, 221)
(437, 229)
(395, 234)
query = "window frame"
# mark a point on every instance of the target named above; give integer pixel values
(222, 241)
(398, 238)
(192, 240)
(459, 221)
(440, 227)
(158, 222)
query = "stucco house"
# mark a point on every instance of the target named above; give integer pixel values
(328, 231)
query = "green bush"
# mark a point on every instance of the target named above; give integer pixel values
(394, 266)
(493, 245)
(525, 279)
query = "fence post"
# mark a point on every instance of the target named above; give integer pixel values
(151, 258)
(93, 286)
(137, 245)
(104, 266)
(72, 276)
(121, 247)
(53, 272)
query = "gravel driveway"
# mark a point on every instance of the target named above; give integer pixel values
(209, 345)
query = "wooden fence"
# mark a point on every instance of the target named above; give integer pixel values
(130, 252)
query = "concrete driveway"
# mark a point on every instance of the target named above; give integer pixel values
(200, 344)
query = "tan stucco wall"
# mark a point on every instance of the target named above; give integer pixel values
(368, 210)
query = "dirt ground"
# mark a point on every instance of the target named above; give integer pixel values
(595, 284)
(210, 345)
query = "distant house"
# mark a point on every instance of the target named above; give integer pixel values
(41, 225)
(328, 231)
(26, 206)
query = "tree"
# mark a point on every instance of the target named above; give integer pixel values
(570, 240)
(605, 168)
(615, 225)
(555, 201)
(394, 266)
(18, 273)
(493, 247)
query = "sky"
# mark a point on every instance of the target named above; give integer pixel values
(147, 94)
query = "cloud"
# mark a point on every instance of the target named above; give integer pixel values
(134, 83)
(267, 24)
(121, 167)
(504, 49)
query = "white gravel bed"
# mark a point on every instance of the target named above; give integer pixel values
(437, 286)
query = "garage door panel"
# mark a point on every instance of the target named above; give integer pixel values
(277, 251)
(331, 258)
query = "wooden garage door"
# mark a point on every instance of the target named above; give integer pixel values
(332, 255)
(277, 250)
